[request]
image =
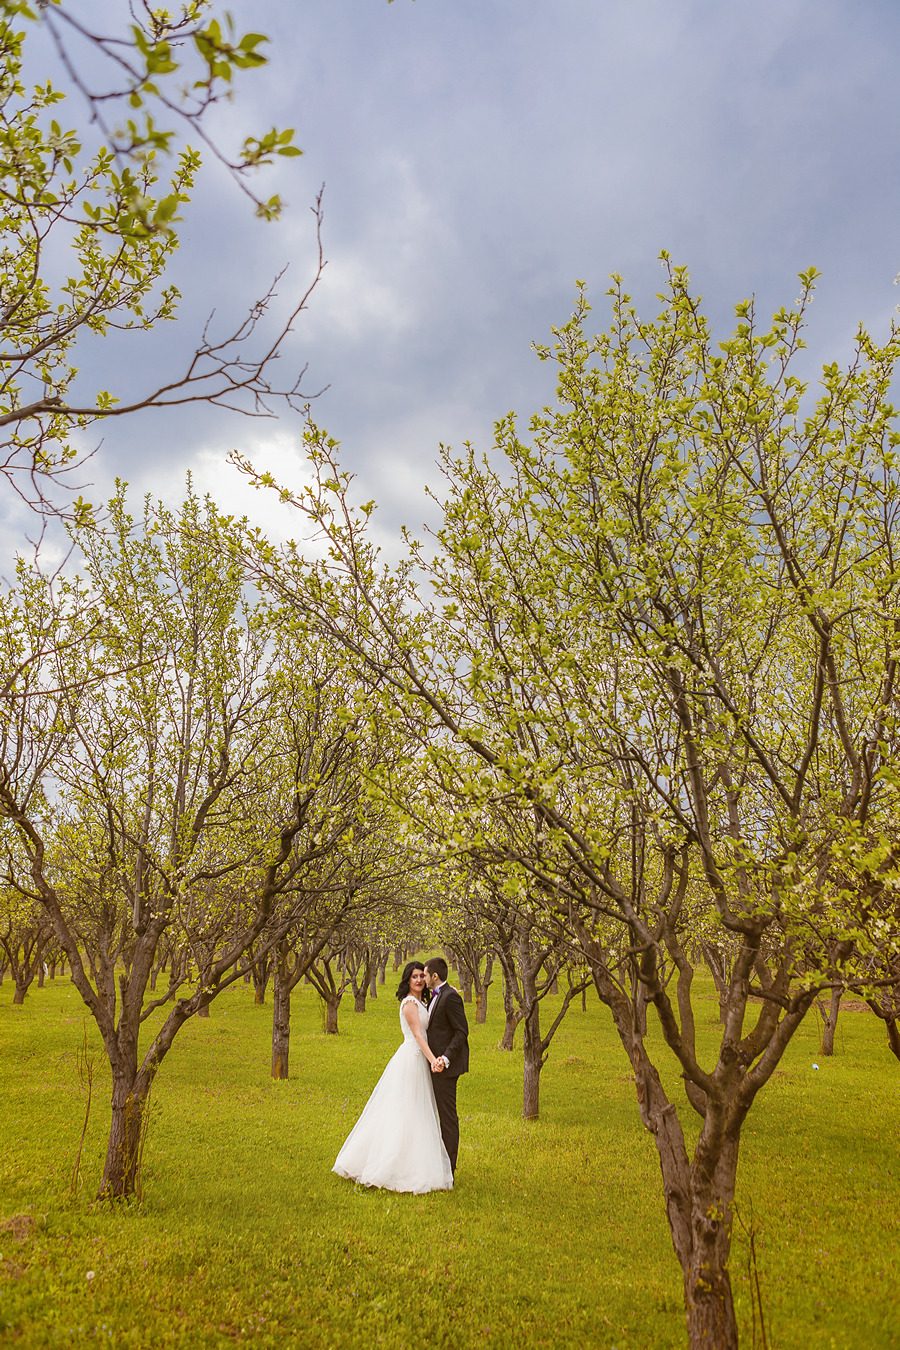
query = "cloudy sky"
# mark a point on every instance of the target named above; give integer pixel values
(480, 155)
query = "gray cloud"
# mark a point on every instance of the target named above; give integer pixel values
(478, 156)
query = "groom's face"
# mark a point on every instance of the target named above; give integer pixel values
(431, 979)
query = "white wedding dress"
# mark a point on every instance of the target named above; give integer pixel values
(396, 1143)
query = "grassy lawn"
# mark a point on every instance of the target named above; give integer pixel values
(554, 1235)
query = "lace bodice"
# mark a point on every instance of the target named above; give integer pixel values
(423, 1018)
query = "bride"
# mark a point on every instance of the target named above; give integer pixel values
(396, 1143)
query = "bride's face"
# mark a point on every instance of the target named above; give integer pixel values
(417, 983)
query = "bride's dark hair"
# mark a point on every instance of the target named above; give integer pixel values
(405, 978)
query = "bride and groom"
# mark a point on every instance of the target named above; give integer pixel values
(407, 1137)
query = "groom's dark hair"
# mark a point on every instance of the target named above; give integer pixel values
(437, 966)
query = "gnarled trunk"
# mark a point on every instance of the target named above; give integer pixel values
(699, 1193)
(123, 1153)
(708, 1300)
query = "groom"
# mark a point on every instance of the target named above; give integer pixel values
(448, 1040)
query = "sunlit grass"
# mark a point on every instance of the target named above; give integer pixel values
(555, 1233)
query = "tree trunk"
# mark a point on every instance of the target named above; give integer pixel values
(373, 984)
(281, 1023)
(124, 1149)
(25, 957)
(203, 1010)
(359, 999)
(708, 1301)
(155, 972)
(511, 1012)
(331, 1014)
(41, 972)
(465, 980)
(699, 1193)
(893, 1034)
(830, 1022)
(482, 984)
(717, 965)
(508, 1039)
(532, 1046)
(534, 1062)
(640, 1007)
(483, 987)
(261, 971)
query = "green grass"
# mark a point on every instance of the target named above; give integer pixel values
(554, 1235)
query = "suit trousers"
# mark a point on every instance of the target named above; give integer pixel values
(445, 1098)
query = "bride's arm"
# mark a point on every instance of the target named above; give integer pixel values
(411, 1017)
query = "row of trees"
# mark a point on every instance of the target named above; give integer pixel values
(184, 775)
(640, 693)
(183, 766)
(180, 769)
(654, 699)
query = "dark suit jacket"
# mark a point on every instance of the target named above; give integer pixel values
(448, 1032)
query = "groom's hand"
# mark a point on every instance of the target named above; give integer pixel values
(437, 1066)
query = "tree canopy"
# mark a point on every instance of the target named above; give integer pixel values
(90, 201)
(656, 683)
